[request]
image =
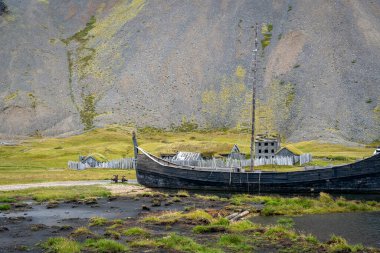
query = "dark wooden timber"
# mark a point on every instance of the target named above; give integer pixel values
(360, 177)
(253, 72)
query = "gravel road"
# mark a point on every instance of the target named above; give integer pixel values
(61, 183)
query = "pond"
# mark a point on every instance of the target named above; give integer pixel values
(357, 227)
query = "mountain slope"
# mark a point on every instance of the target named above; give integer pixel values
(68, 66)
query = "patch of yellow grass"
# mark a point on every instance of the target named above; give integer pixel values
(57, 193)
(45, 159)
(319, 149)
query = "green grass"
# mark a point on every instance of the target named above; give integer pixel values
(6, 200)
(319, 149)
(82, 231)
(209, 197)
(56, 193)
(216, 226)
(286, 222)
(276, 205)
(61, 245)
(235, 242)
(240, 236)
(202, 229)
(144, 243)
(197, 216)
(182, 194)
(97, 221)
(338, 244)
(17, 174)
(45, 159)
(106, 246)
(184, 244)
(242, 226)
(136, 231)
(277, 231)
(5, 207)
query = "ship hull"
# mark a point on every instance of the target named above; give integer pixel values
(359, 177)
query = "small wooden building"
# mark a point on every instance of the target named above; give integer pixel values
(92, 160)
(234, 154)
(290, 151)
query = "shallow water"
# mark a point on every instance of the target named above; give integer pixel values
(357, 227)
(117, 209)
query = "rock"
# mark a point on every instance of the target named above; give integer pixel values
(90, 201)
(145, 208)
(156, 202)
(46, 109)
(111, 198)
(65, 228)
(52, 204)
(38, 227)
(16, 219)
(3, 229)
(20, 205)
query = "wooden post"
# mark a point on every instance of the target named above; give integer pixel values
(136, 151)
(253, 71)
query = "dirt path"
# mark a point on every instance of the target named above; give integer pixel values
(61, 183)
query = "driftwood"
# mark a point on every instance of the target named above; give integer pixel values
(237, 216)
(229, 217)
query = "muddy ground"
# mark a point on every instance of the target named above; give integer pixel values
(28, 224)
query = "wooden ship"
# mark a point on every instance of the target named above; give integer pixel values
(359, 177)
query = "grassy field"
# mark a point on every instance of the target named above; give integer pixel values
(45, 159)
(55, 193)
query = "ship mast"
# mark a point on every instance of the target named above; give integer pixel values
(253, 78)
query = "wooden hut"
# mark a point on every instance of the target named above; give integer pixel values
(290, 151)
(93, 160)
(234, 154)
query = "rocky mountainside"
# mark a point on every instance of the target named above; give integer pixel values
(68, 65)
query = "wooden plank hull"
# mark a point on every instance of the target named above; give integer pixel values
(359, 177)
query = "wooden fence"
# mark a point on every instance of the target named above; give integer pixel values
(235, 163)
(305, 158)
(124, 163)
(128, 163)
